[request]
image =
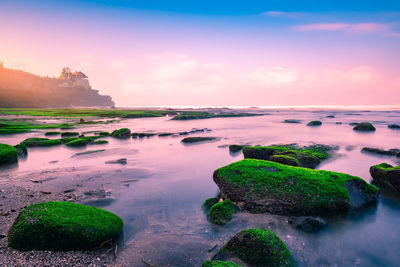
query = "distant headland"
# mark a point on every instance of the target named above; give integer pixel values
(21, 89)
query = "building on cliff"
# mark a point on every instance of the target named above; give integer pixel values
(72, 89)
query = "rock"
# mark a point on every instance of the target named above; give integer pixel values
(68, 139)
(52, 142)
(256, 247)
(69, 134)
(291, 121)
(307, 223)
(330, 116)
(89, 152)
(121, 133)
(221, 212)
(197, 139)
(364, 126)
(8, 154)
(122, 161)
(309, 156)
(141, 135)
(338, 122)
(52, 133)
(235, 148)
(314, 123)
(165, 134)
(209, 202)
(77, 142)
(283, 159)
(394, 126)
(263, 186)
(63, 226)
(104, 133)
(22, 150)
(390, 152)
(34, 141)
(353, 123)
(386, 175)
(219, 264)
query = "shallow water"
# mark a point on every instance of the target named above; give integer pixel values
(159, 192)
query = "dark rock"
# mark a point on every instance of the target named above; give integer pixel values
(394, 126)
(314, 123)
(364, 126)
(165, 134)
(197, 139)
(235, 148)
(330, 116)
(386, 175)
(391, 152)
(217, 263)
(284, 159)
(307, 223)
(22, 150)
(122, 161)
(291, 121)
(69, 134)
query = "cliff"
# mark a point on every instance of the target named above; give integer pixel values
(25, 90)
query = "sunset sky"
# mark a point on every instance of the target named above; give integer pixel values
(199, 53)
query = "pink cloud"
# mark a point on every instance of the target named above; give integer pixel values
(356, 28)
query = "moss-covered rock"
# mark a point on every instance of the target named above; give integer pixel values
(386, 175)
(364, 127)
(264, 186)
(209, 202)
(256, 247)
(284, 159)
(34, 141)
(52, 142)
(77, 142)
(68, 139)
(8, 154)
(314, 123)
(69, 134)
(390, 152)
(62, 226)
(307, 223)
(221, 212)
(165, 134)
(22, 150)
(141, 135)
(197, 139)
(104, 133)
(121, 133)
(219, 264)
(52, 133)
(309, 156)
(99, 142)
(235, 148)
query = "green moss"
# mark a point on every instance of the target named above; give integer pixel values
(34, 141)
(52, 142)
(77, 142)
(209, 202)
(52, 133)
(310, 191)
(259, 247)
(197, 139)
(121, 133)
(284, 159)
(221, 212)
(22, 126)
(195, 115)
(104, 133)
(386, 167)
(219, 264)
(68, 139)
(62, 226)
(22, 150)
(314, 123)
(8, 154)
(100, 142)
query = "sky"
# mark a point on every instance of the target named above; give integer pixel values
(212, 53)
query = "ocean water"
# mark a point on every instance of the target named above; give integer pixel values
(159, 192)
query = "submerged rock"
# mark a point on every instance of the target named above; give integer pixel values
(197, 139)
(314, 123)
(141, 135)
(291, 121)
(309, 156)
(235, 148)
(69, 134)
(221, 212)
(263, 186)
(122, 161)
(8, 154)
(307, 223)
(63, 226)
(121, 133)
(256, 247)
(219, 264)
(394, 126)
(52, 133)
(22, 150)
(386, 175)
(364, 126)
(34, 141)
(390, 152)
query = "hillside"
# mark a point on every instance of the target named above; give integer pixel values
(25, 90)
